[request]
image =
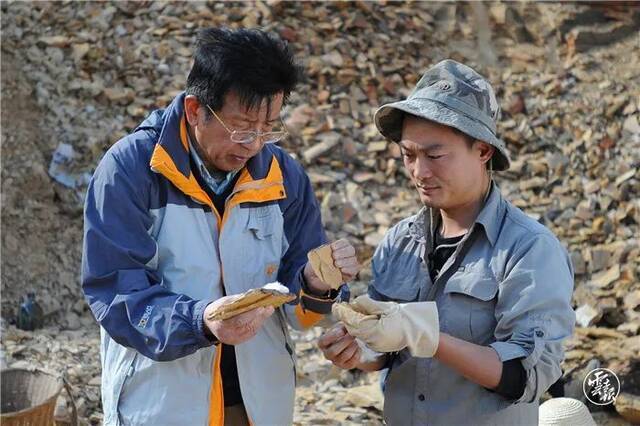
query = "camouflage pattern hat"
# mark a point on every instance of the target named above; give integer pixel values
(452, 94)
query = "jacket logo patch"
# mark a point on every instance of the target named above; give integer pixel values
(271, 269)
(145, 317)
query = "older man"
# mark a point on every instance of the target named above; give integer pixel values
(197, 205)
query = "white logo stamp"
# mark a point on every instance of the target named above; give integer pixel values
(601, 386)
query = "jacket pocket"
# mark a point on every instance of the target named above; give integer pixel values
(469, 307)
(264, 247)
(260, 222)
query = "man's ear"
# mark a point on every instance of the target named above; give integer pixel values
(191, 109)
(485, 151)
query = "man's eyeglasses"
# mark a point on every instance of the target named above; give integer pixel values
(249, 136)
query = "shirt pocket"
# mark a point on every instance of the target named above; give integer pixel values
(400, 285)
(469, 307)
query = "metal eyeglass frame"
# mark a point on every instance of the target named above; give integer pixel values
(245, 137)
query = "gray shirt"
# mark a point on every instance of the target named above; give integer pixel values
(508, 285)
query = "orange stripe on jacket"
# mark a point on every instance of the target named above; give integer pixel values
(162, 163)
(216, 396)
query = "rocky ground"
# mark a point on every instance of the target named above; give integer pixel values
(77, 76)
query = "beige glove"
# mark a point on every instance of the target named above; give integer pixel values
(390, 326)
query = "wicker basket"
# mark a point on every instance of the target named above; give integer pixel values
(29, 397)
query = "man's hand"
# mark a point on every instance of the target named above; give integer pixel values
(390, 326)
(238, 329)
(340, 348)
(344, 258)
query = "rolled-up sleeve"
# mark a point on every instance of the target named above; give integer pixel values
(534, 313)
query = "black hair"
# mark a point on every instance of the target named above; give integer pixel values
(255, 64)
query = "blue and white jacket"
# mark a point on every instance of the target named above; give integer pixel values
(156, 252)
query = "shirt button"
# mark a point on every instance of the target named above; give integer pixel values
(421, 397)
(540, 333)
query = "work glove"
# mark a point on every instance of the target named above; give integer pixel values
(390, 326)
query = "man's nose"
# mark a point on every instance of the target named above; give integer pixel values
(422, 169)
(254, 145)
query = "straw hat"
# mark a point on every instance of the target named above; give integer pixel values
(564, 412)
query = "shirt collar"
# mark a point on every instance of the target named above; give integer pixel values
(491, 214)
(418, 229)
(490, 217)
(216, 182)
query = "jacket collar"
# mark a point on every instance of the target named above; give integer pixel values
(170, 158)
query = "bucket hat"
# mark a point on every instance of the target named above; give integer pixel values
(452, 94)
